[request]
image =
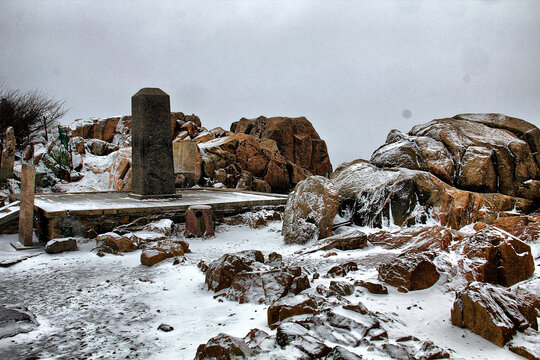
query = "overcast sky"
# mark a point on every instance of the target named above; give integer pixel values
(355, 69)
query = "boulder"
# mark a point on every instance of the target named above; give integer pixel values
(494, 256)
(296, 140)
(245, 277)
(293, 334)
(383, 196)
(150, 257)
(288, 307)
(220, 273)
(56, 246)
(120, 170)
(409, 271)
(15, 321)
(224, 347)
(492, 312)
(163, 226)
(342, 269)
(310, 211)
(116, 242)
(372, 287)
(99, 147)
(343, 288)
(494, 144)
(187, 162)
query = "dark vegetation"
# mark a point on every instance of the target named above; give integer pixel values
(29, 113)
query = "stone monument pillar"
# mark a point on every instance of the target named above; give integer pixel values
(8, 155)
(26, 212)
(153, 171)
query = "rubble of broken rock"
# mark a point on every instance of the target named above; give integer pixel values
(483, 265)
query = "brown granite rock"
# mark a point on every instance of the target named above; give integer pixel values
(491, 312)
(150, 257)
(310, 211)
(496, 257)
(224, 347)
(409, 271)
(296, 139)
(116, 242)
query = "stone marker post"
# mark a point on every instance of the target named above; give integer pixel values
(8, 155)
(26, 212)
(153, 171)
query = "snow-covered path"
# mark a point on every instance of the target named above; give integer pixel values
(110, 307)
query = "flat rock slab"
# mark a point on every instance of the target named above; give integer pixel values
(13, 322)
(121, 202)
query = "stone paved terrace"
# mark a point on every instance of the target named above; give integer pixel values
(83, 214)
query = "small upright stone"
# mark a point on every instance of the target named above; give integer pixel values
(26, 213)
(153, 171)
(8, 155)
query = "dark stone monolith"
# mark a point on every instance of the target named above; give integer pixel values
(153, 171)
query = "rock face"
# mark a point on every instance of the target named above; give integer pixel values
(310, 211)
(278, 155)
(477, 152)
(491, 312)
(383, 196)
(295, 138)
(457, 170)
(225, 160)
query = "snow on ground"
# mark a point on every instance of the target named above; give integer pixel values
(110, 307)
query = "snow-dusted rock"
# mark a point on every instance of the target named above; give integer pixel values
(163, 226)
(492, 312)
(342, 269)
(99, 147)
(120, 170)
(290, 306)
(224, 347)
(294, 334)
(163, 249)
(116, 242)
(409, 271)
(221, 272)
(60, 245)
(15, 321)
(493, 255)
(526, 344)
(377, 197)
(310, 211)
(150, 257)
(245, 277)
(343, 288)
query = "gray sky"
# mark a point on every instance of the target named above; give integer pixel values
(355, 69)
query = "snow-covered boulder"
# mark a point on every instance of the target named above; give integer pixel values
(379, 197)
(477, 152)
(116, 242)
(492, 255)
(246, 277)
(310, 211)
(60, 245)
(492, 312)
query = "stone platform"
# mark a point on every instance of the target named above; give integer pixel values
(90, 214)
